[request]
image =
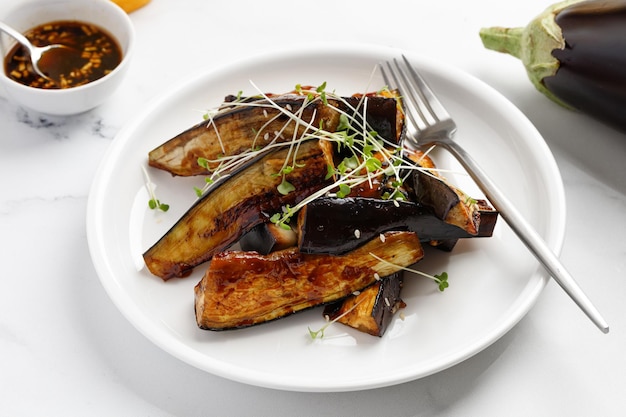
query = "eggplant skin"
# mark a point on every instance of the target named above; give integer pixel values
(233, 207)
(591, 75)
(241, 289)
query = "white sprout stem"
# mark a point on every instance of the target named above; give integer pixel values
(335, 320)
(415, 271)
(149, 184)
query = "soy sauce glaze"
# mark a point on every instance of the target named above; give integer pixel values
(91, 54)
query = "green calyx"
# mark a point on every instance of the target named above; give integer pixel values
(532, 44)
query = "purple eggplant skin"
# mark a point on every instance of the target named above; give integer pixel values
(574, 53)
(592, 73)
(336, 226)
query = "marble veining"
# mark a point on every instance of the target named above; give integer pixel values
(65, 349)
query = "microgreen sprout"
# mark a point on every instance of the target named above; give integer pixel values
(153, 202)
(469, 201)
(319, 334)
(367, 155)
(440, 279)
(285, 187)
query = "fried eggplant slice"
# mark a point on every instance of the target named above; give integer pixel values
(488, 218)
(338, 225)
(241, 289)
(448, 202)
(253, 124)
(235, 206)
(240, 128)
(372, 309)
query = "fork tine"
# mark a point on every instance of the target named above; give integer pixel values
(415, 102)
(423, 108)
(430, 99)
(394, 79)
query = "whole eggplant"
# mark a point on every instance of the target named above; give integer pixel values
(574, 53)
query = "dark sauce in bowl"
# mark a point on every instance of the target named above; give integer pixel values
(91, 54)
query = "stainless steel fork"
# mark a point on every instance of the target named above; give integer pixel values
(430, 124)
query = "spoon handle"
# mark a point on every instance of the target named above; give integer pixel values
(21, 39)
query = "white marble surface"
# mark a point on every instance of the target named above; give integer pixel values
(66, 350)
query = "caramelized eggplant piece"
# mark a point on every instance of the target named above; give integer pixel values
(237, 129)
(372, 309)
(488, 217)
(432, 192)
(339, 225)
(430, 188)
(241, 289)
(233, 207)
(268, 237)
(448, 202)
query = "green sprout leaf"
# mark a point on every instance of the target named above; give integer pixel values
(344, 190)
(156, 204)
(330, 171)
(285, 187)
(203, 162)
(373, 164)
(344, 123)
(319, 333)
(442, 280)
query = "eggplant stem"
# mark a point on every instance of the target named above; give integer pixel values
(501, 39)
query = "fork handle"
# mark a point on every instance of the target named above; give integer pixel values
(527, 234)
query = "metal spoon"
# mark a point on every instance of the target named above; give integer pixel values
(36, 52)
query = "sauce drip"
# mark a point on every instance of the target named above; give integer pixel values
(91, 54)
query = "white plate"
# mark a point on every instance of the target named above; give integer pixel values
(493, 282)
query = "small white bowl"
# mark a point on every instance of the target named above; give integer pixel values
(69, 101)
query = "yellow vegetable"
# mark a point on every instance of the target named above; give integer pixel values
(130, 5)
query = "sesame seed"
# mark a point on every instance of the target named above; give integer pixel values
(357, 233)
(382, 237)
